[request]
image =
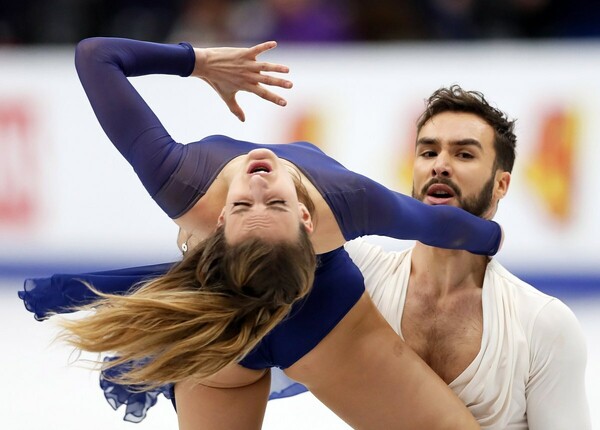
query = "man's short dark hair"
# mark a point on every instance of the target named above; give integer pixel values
(455, 99)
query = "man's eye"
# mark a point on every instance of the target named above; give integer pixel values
(465, 155)
(428, 154)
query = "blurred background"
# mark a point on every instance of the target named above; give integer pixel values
(305, 21)
(361, 72)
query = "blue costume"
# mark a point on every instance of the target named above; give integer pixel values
(178, 175)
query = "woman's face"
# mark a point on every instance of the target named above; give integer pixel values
(262, 201)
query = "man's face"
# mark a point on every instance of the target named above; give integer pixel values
(454, 164)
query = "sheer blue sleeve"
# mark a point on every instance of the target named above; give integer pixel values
(103, 66)
(62, 293)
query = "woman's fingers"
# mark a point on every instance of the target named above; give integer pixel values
(262, 47)
(262, 92)
(274, 98)
(274, 82)
(265, 66)
(235, 108)
(270, 67)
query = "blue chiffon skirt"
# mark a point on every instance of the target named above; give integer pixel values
(63, 293)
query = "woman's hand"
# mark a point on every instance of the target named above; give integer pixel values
(229, 70)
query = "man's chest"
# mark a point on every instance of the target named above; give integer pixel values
(445, 333)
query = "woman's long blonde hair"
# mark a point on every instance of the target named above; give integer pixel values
(208, 311)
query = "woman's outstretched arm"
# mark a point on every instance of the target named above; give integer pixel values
(104, 66)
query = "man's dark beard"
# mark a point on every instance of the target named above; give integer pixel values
(477, 205)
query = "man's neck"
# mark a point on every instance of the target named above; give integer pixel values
(445, 271)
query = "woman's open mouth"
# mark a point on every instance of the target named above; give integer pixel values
(259, 167)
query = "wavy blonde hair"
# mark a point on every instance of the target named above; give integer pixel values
(208, 311)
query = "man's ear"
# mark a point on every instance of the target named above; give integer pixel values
(502, 184)
(305, 218)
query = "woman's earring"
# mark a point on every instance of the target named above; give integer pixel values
(184, 247)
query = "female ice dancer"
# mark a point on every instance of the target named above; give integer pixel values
(243, 300)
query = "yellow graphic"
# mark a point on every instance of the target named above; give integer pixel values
(307, 125)
(404, 154)
(551, 170)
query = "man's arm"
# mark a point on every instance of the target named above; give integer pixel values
(555, 392)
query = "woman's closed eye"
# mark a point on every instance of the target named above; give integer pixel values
(248, 204)
(277, 202)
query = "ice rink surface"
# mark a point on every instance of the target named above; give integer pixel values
(43, 391)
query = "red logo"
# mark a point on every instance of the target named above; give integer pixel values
(19, 168)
